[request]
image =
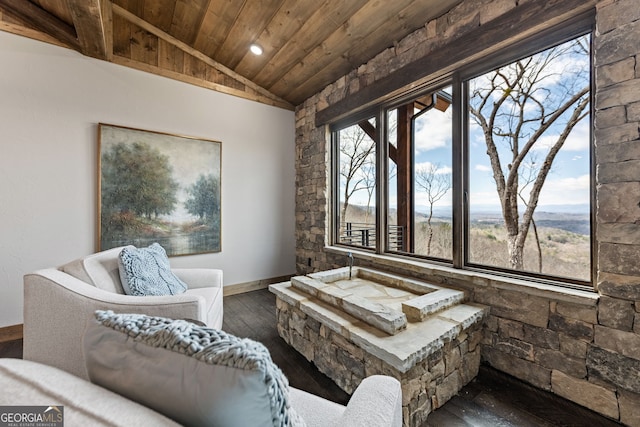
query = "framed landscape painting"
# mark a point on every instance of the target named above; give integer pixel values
(157, 187)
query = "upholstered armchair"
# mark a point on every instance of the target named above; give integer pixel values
(58, 302)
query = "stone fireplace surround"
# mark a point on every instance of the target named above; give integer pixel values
(584, 346)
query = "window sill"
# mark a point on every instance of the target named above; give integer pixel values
(469, 279)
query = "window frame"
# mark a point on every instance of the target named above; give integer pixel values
(384, 110)
(573, 28)
(334, 198)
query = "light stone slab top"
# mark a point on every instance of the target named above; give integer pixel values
(385, 279)
(380, 299)
(419, 308)
(403, 350)
(368, 301)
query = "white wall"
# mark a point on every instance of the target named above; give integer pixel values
(51, 100)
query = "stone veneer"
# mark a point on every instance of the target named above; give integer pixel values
(580, 345)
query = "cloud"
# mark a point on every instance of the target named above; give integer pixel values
(578, 140)
(565, 191)
(440, 169)
(433, 130)
(482, 168)
(579, 183)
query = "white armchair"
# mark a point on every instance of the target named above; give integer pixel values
(59, 302)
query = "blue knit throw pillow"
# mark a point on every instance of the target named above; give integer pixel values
(196, 375)
(146, 271)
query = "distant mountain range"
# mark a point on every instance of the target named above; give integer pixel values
(572, 218)
(579, 209)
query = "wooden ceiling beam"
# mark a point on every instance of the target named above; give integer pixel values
(41, 20)
(197, 54)
(89, 20)
(14, 25)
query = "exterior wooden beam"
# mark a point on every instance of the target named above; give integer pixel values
(404, 178)
(369, 129)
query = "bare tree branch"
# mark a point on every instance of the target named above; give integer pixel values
(517, 105)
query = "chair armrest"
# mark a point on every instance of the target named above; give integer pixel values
(199, 277)
(57, 307)
(377, 402)
(65, 282)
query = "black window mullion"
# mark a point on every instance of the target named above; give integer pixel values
(382, 167)
(335, 187)
(459, 219)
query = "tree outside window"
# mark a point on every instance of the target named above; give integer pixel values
(529, 135)
(357, 176)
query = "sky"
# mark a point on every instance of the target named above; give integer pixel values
(567, 183)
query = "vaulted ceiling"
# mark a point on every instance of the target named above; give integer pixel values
(307, 44)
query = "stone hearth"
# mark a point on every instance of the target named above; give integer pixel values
(378, 323)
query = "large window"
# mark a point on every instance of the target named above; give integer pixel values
(497, 159)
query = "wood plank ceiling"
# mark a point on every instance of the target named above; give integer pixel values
(307, 44)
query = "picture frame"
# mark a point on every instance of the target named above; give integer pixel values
(158, 187)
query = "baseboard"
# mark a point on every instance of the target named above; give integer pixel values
(241, 288)
(11, 333)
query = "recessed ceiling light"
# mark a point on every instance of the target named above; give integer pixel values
(255, 49)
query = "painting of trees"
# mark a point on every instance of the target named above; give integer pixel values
(526, 112)
(160, 188)
(138, 179)
(204, 198)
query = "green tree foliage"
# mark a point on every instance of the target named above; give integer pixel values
(137, 178)
(204, 196)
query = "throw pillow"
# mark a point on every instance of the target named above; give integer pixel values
(146, 271)
(195, 375)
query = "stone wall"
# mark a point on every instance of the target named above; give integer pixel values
(583, 347)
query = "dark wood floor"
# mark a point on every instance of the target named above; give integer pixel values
(493, 399)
